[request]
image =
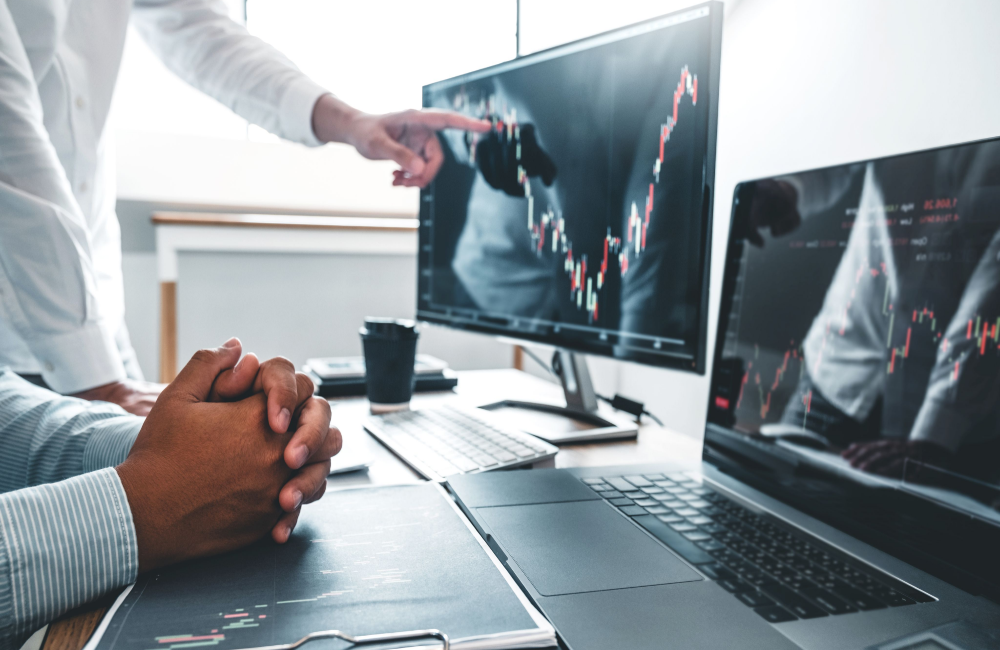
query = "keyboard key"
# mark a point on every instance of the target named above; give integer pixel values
(697, 536)
(506, 457)
(653, 490)
(593, 481)
(683, 547)
(621, 502)
(612, 494)
(732, 585)
(686, 512)
(646, 502)
(670, 519)
(827, 601)
(857, 598)
(775, 614)
(664, 484)
(753, 598)
(895, 599)
(619, 484)
(711, 570)
(638, 481)
(792, 601)
(711, 544)
(654, 477)
(601, 487)
(700, 520)
(683, 527)
(657, 510)
(635, 494)
(634, 511)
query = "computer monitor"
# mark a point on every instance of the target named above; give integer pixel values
(582, 220)
(861, 306)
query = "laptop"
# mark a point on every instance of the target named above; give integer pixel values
(848, 491)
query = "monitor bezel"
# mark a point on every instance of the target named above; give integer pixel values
(691, 357)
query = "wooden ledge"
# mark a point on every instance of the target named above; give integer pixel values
(284, 221)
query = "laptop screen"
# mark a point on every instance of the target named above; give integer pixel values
(860, 325)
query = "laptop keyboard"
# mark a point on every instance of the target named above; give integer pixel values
(783, 574)
(448, 440)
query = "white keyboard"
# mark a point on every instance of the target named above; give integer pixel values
(444, 441)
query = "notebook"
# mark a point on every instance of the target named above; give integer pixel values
(363, 561)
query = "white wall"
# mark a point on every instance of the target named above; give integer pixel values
(807, 84)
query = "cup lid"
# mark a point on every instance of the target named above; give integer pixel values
(393, 328)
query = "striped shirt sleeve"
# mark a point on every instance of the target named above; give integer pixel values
(62, 545)
(45, 437)
(66, 530)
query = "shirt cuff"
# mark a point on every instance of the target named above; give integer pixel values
(79, 360)
(77, 533)
(109, 445)
(296, 111)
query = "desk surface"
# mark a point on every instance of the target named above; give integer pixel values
(654, 444)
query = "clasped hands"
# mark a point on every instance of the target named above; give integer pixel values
(231, 450)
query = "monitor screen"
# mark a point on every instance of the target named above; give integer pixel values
(581, 219)
(860, 323)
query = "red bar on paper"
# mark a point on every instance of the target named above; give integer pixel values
(892, 362)
(235, 615)
(722, 402)
(906, 350)
(982, 342)
(954, 375)
(914, 315)
(604, 264)
(694, 91)
(968, 333)
(807, 400)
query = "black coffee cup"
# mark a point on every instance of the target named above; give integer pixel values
(390, 351)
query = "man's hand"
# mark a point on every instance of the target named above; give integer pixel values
(775, 207)
(136, 397)
(204, 478)
(409, 138)
(290, 406)
(887, 457)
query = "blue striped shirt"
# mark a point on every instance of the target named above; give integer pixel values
(66, 530)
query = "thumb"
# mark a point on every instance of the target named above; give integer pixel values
(408, 159)
(195, 379)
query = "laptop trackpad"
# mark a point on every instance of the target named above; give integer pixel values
(581, 546)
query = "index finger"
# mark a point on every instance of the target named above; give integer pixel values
(279, 381)
(438, 119)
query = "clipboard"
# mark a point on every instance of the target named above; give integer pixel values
(533, 631)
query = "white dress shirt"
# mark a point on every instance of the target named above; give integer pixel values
(61, 296)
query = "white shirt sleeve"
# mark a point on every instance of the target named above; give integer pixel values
(202, 45)
(47, 281)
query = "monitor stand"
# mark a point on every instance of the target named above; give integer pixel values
(583, 419)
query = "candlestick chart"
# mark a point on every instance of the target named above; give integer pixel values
(549, 229)
(954, 346)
